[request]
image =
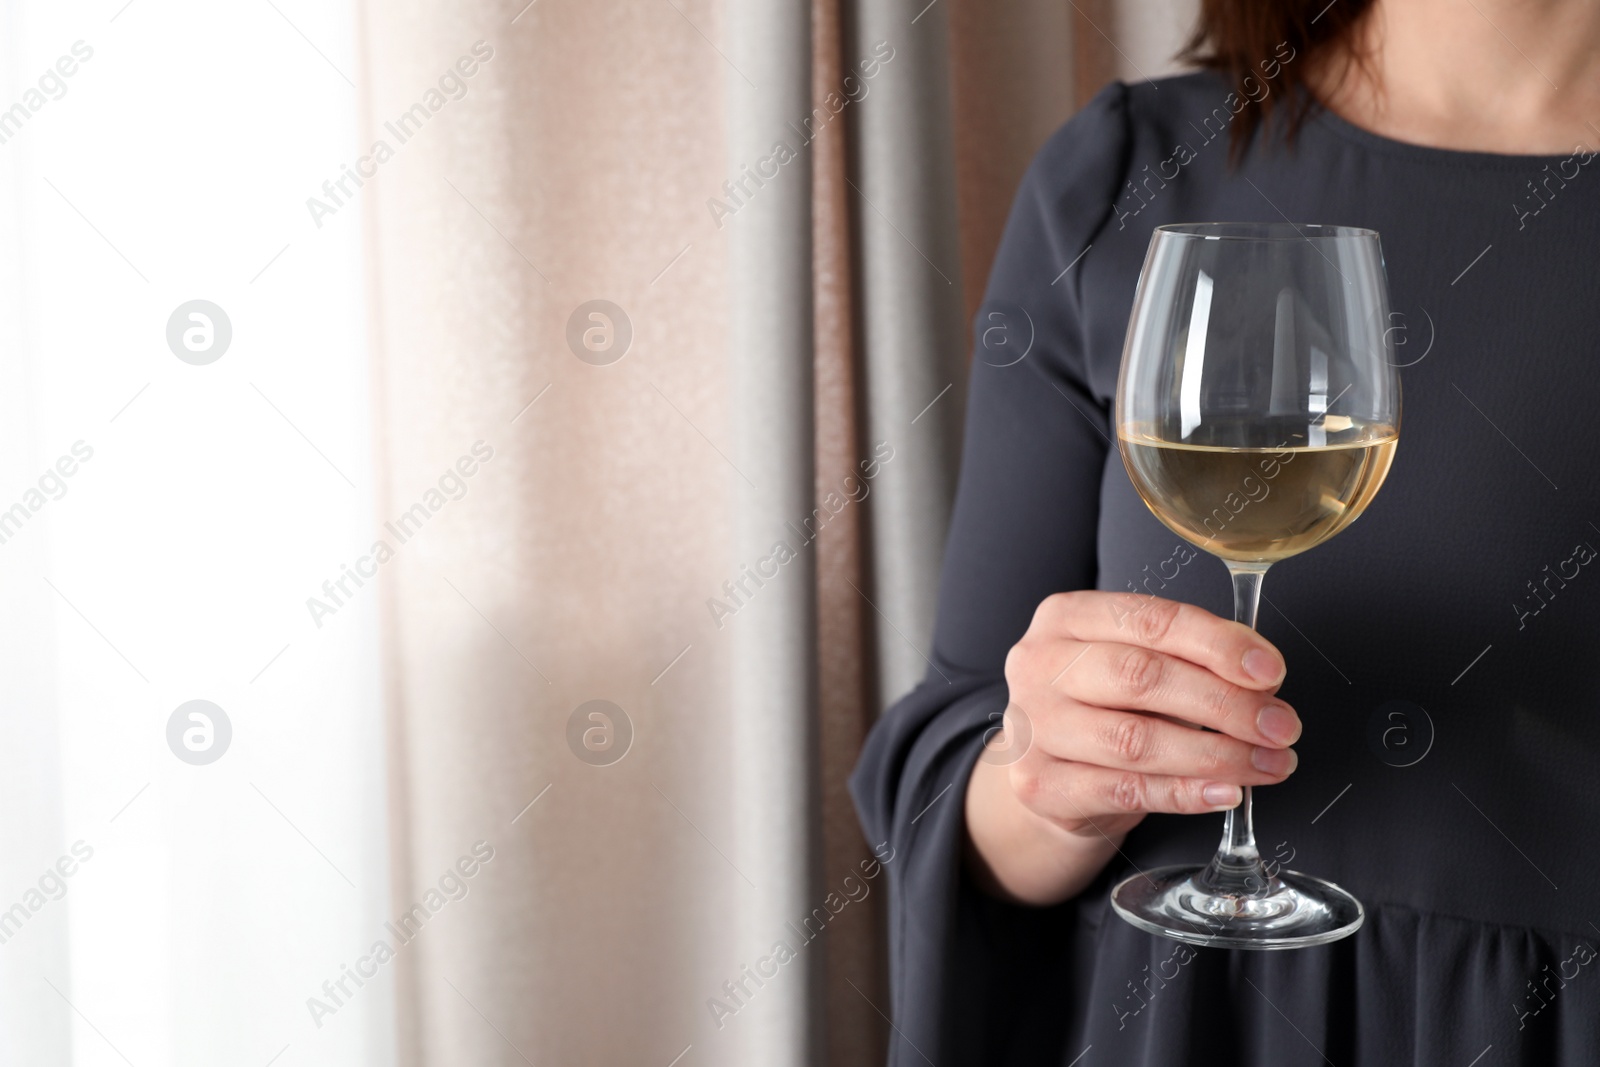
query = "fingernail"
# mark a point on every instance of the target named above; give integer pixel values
(1278, 723)
(1221, 795)
(1274, 761)
(1263, 666)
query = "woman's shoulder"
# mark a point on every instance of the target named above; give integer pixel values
(1125, 126)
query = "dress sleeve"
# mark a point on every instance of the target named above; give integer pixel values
(1024, 526)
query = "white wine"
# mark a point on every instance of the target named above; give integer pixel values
(1259, 505)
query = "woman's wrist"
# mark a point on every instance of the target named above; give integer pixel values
(1017, 855)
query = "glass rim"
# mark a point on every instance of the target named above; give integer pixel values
(1264, 231)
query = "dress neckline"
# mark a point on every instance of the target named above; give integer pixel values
(1428, 154)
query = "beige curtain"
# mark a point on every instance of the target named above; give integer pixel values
(617, 543)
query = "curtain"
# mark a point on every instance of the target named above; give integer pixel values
(172, 894)
(687, 287)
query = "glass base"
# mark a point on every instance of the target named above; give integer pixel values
(1191, 904)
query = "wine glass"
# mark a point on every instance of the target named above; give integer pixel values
(1257, 411)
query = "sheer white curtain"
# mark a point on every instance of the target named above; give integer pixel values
(164, 522)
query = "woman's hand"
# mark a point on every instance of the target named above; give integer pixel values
(1106, 693)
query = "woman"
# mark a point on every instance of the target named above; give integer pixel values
(1432, 744)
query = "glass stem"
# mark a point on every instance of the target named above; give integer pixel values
(1237, 866)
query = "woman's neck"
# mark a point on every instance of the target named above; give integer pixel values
(1509, 76)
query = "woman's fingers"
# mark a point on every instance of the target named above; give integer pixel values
(1229, 649)
(1142, 679)
(1081, 795)
(1130, 741)
(1112, 687)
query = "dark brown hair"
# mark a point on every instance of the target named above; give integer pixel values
(1267, 48)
